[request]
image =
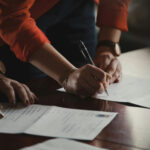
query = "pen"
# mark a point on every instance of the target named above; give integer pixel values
(87, 56)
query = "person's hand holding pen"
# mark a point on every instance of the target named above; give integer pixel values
(87, 81)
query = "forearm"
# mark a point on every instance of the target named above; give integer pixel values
(108, 33)
(51, 62)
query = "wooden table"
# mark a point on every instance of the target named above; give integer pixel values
(130, 130)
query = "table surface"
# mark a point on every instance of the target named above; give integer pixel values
(130, 130)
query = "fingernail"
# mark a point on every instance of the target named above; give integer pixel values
(118, 80)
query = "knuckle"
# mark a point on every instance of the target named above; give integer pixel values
(24, 85)
(103, 75)
(88, 66)
(8, 88)
(107, 57)
(112, 69)
(116, 59)
(15, 83)
(18, 85)
(3, 80)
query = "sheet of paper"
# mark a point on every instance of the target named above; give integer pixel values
(62, 144)
(143, 101)
(54, 121)
(129, 90)
(71, 123)
(18, 119)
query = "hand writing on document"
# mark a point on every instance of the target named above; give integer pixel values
(11, 87)
(109, 63)
(87, 81)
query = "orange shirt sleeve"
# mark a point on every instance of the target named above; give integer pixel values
(113, 13)
(18, 29)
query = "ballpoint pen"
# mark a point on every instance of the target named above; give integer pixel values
(87, 56)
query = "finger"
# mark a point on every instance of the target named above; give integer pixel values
(119, 69)
(93, 82)
(21, 92)
(31, 100)
(85, 89)
(101, 63)
(105, 62)
(101, 89)
(108, 78)
(112, 67)
(31, 95)
(119, 78)
(117, 74)
(9, 92)
(105, 85)
(104, 78)
(114, 77)
(98, 73)
(96, 85)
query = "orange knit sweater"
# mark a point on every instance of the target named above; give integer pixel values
(18, 28)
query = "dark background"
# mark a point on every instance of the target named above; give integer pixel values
(139, 26)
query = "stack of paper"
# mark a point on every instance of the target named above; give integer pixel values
(54, 121)
(131, 89)
(62, 144)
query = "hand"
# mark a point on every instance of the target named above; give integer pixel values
(109, 63)
(87, 81)
(1, 116)
(9, 87)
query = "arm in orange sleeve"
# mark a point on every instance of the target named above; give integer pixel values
(113, 13)
(18, 29)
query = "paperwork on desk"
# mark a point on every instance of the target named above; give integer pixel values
(61, 144)
(54, 121)
(131, 89)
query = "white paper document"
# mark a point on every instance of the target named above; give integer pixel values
(54, 121)
(61, 144)
(130, 89)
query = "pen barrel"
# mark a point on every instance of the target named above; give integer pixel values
(85, 52)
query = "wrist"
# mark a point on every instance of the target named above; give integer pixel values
(109, 46)
(64, 79)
